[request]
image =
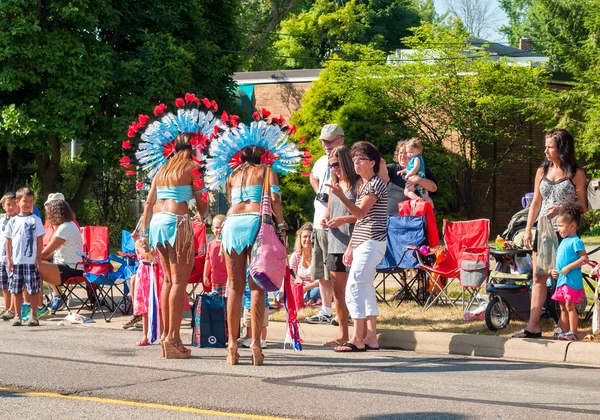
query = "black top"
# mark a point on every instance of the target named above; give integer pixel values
(396, 187)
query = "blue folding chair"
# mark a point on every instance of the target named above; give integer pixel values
(112, 288)
(404, 234)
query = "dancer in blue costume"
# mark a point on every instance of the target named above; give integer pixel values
(239, 157)
(169, 154)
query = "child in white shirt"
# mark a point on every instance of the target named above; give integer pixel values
(24, 238)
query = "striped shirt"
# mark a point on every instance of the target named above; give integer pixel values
(374, 224)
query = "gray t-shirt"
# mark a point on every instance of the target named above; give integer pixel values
(339, 238)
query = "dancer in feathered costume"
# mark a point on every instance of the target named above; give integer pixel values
(170, 156)
(239, 156)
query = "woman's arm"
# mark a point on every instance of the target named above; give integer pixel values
(534, 208)
(275, 198)
(580, 182)
(52, 246)
(383, 172)
(359, 212)
(429, 184)
(149, 206)
(310, 286)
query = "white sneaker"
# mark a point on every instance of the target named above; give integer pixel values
(263, 344)
(320, 318)
(246, 343)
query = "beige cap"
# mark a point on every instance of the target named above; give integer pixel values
(331, 132)
(54, 197)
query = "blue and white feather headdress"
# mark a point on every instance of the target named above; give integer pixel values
(155, 141)
(281, 154)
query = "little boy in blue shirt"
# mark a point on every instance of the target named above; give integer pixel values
(9, 205)
(24, 240)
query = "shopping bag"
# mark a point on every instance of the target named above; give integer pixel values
(209, 321)
(546, 247)
(268, 254)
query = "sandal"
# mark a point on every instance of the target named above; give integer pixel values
(176, 351)
(351, 346)
(143, 342)
(527, 334)
(333, 343)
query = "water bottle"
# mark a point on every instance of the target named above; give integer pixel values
(500, 243)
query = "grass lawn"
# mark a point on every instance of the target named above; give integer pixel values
(411, 316)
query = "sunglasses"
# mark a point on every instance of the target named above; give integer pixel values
(334, 165)
(356, 159)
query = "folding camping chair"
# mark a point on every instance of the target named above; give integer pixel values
(402, 232)
(128, 265)
(460, 237)
(197, 273)
(95, 262)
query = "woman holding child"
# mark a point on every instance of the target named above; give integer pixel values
(367, 246)
(559, 182)
(392, 175)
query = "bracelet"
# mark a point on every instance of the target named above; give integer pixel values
(283, 225)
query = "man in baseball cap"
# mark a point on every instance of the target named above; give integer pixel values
(331, 137)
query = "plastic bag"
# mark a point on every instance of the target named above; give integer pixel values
(547, 246)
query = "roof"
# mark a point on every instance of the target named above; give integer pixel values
(276, 76)
(502, 50)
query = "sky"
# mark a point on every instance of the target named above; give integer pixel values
(441, 7)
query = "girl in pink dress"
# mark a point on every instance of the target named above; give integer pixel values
(143, 277)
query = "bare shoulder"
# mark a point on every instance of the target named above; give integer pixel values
(580, 177)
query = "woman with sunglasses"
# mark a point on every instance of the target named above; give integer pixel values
(390, 174)
(340, 224)
(367, 246)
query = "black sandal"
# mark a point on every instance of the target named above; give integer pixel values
(348, 345)
(527, 334)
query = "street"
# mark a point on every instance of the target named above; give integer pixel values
(103, 375)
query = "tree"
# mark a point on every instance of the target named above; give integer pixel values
(328, 30)
(77, 70)
(478, 16)
(469, 111)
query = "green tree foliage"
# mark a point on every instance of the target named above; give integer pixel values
(328, 29)
(461, 104)
(83, 70)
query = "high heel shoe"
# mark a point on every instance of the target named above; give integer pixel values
(258, 357)
(162, 348)
(233, 357)
(176, 351)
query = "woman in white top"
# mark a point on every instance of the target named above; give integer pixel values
(63, 249)
(300, 264)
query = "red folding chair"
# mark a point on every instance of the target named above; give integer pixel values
(95, 262)
(197, 273)
(466, 237)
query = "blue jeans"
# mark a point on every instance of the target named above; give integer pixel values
(313, 294)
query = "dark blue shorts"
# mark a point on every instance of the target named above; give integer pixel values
(25, 275)
(3, 277)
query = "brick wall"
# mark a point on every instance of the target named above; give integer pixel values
(280, 98)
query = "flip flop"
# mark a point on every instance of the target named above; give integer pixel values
(349, 345)
(332, 343)
(369, 348)
(527, 334)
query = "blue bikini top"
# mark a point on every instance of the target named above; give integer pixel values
(178, 193)
(250, 192)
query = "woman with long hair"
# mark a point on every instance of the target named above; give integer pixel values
(558, 181)
(300, 264)
(244, 191)
(340, 223)
(168, 229)
(367, 246)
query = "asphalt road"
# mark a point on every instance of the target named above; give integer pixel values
(90, 368)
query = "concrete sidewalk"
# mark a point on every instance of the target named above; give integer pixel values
(536, 350)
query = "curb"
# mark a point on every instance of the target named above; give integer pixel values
(532, 350)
